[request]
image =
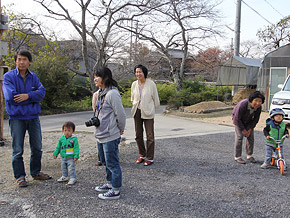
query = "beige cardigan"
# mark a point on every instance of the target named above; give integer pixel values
(149, 100)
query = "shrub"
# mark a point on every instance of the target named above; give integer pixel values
(165, 91)
(195, 92)
(126, 98)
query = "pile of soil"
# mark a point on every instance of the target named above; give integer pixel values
(242, 94)
(206, 107)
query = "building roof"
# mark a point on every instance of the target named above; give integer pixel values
(248, 61)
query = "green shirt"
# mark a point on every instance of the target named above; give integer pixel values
(67, 147)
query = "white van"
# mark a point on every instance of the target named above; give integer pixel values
(281, 99)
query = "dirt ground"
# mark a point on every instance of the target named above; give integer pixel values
(51, 166)
(227, 120)
(223, 115)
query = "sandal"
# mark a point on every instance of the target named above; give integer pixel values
(148, 162)
(140, 160)
(21, 182)
(41, 176)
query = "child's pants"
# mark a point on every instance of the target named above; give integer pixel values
(68, 167)
(270, 150)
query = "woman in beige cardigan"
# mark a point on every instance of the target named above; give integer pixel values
(145, 100)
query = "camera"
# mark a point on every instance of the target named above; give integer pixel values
(94, 121)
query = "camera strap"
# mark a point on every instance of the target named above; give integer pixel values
(99, 106)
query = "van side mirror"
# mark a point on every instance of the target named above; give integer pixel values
(280, 86)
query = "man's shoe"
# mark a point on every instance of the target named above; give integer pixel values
(264, 166)
(240, 160)
(21, 182)
(110, 195)
(41, 176)
(72, 181)
(99, 163)
(63, 179)
(252, 160)
(103, 188)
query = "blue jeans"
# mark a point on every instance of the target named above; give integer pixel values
(18, 129)
(270, 150)
(109, 156)
(68, 167)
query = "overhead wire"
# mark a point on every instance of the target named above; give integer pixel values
(256, 12)
(274, 8)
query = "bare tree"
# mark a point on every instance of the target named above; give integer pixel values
(276, 34)
(98, 22)
(177, 24)
(252, 49)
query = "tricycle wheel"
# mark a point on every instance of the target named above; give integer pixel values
(272, 163)
(281, 165)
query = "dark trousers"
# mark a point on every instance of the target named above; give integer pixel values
(147, 152)
(239, 142)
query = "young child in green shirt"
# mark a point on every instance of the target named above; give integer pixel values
(68, 148)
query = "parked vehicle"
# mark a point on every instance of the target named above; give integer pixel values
(281, 99)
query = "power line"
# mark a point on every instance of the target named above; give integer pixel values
(256, 12)
(274, 8)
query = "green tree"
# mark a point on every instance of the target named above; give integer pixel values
(52, 67)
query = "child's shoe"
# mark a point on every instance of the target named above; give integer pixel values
(110, 195)
(63, 179)
(72, 181)
(265, 166)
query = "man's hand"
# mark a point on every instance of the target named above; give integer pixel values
(21, 97)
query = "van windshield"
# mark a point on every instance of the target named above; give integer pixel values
(287, 85)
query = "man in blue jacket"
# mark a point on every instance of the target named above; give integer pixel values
(23, 92)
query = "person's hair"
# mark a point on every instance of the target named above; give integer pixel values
(69, 124)
(23, 53)
(257, 94)
(143, 68)
(106, 75)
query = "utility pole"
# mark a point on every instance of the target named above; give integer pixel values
(238, 28)
(237, 35)
(3, 51)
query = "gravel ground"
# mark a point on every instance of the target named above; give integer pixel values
(192, 177)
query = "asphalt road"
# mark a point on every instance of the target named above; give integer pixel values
(54, 122)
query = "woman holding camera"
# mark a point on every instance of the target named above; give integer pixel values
(145, 100)
(112, 119)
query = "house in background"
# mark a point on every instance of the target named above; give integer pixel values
(274, 70)
(240, 72)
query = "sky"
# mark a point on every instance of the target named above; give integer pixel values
(270, 11)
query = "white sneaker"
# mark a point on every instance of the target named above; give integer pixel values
(63, 179)
(72, 181)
